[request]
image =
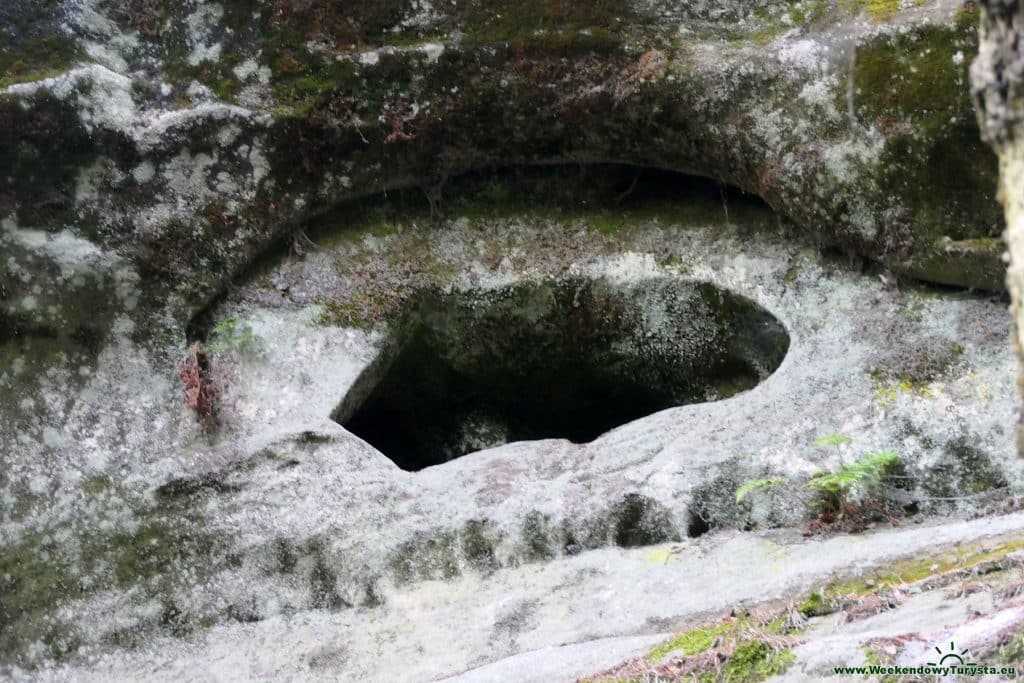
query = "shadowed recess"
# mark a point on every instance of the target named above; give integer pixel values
(566, 359)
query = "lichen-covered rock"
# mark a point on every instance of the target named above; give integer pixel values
(192, 135)
(164, 529)
(151, 155)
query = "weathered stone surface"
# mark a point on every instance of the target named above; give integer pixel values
(580, 601)
(188, 137)
(150, 156)
(280, 512)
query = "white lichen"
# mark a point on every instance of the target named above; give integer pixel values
(199, 25)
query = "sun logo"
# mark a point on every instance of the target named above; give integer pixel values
(952, 658)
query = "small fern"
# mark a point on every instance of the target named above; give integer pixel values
(867, 471)
(757, 485)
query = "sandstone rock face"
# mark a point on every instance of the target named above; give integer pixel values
(997, 77)
(186, 138)
(280, 182)
(167, 533)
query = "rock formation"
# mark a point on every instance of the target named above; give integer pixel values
(763, 237)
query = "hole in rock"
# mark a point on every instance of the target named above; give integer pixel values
(696, 525)
(567, 359)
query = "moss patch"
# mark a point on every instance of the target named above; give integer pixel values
(918, 569)
(754, 661)
(426, 557)
(479, 543)
(880, 9)
(691, 642)
(815, 606)
(537, 538)
(32, 43)
(912, 86)
(740, 649)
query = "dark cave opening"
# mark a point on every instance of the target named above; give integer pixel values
(567, 359)
(555, 190)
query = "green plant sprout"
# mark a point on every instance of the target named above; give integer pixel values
(228, 335)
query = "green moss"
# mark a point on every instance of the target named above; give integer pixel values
(323, 584)
(1012, 653)
(226, 88)
(362, 220)
(692, 642)
(872, 657)
(887, 392)
(816, 606)
(97, 484)
(193, 255)
(38, 573)
(810, 11)
(917, 569)
(638, 521)
(979, 261)
(479, 540)
(913, 86)
(34, 575)
(426, 557)
(882, 9)
(556, 197)
(360, 312)
(773, 19)
(281, 33)
(879, 9)
(285, 555)
(28, 76)
(754, 661)
(971, 470)
(34, 45)
(537, 538)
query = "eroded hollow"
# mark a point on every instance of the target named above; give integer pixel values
(554, 359)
